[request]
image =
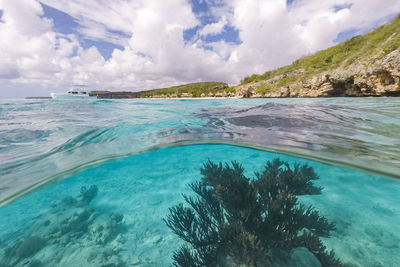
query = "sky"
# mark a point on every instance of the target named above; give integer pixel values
(49, 45)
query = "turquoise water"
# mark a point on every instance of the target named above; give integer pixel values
(117, 147)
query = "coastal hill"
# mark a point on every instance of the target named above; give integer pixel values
(202, 89)
(367, 65)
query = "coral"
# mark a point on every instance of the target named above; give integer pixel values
(72, 226)
(237, 221)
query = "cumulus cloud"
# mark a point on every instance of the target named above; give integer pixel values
(214, 28)
(30, 51)
(151, 32)
(101, 19)
(274, 34)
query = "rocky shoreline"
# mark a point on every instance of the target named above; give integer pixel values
(370, 78)
(373, 77)
(377, 76)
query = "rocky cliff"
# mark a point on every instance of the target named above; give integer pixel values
(367, 65)
(373, 77)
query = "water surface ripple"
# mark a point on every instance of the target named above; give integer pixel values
(42, 138)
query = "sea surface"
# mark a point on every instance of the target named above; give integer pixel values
(89, 182)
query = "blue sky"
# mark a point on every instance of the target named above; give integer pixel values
(66, 24)
(143, 44)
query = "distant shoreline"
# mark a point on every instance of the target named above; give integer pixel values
(94, 97)
(218, 97)
(38, 97)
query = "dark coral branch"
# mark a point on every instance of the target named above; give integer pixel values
(235, 220)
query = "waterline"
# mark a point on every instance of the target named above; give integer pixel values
(279, 150)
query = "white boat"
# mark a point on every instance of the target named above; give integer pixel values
(73, 93)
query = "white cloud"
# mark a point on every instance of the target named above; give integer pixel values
(30, 51)
(100, 18)
(273, 34)
(214, 28)
(154, 52)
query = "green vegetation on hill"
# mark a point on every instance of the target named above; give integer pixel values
(189, 90)
(378, 42)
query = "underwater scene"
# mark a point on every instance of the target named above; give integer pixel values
(219, 182)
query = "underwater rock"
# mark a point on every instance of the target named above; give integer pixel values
(87, 195)
(35, 263)
(117, 217)
(301, 257)
(77, 223)
(72, 233)
(238, 221)
(69, 201)
(106, 227)
(29, 247)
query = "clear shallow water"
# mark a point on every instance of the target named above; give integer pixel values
(43, 138)
(364, 208)
(99, 142)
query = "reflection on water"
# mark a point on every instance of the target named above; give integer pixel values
(345, 133)
(112, 214)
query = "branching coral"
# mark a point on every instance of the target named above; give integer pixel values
(237, 221)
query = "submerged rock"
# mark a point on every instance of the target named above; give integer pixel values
(88, 194)
(69, 201)
(106, 227)
(29, 247)
(301, 257)
(35, 263)
(72, 234)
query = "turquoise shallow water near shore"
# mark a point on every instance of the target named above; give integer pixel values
(142, 187)
(43, 138)
(75, 144)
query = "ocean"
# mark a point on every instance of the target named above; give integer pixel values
(92, 182)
